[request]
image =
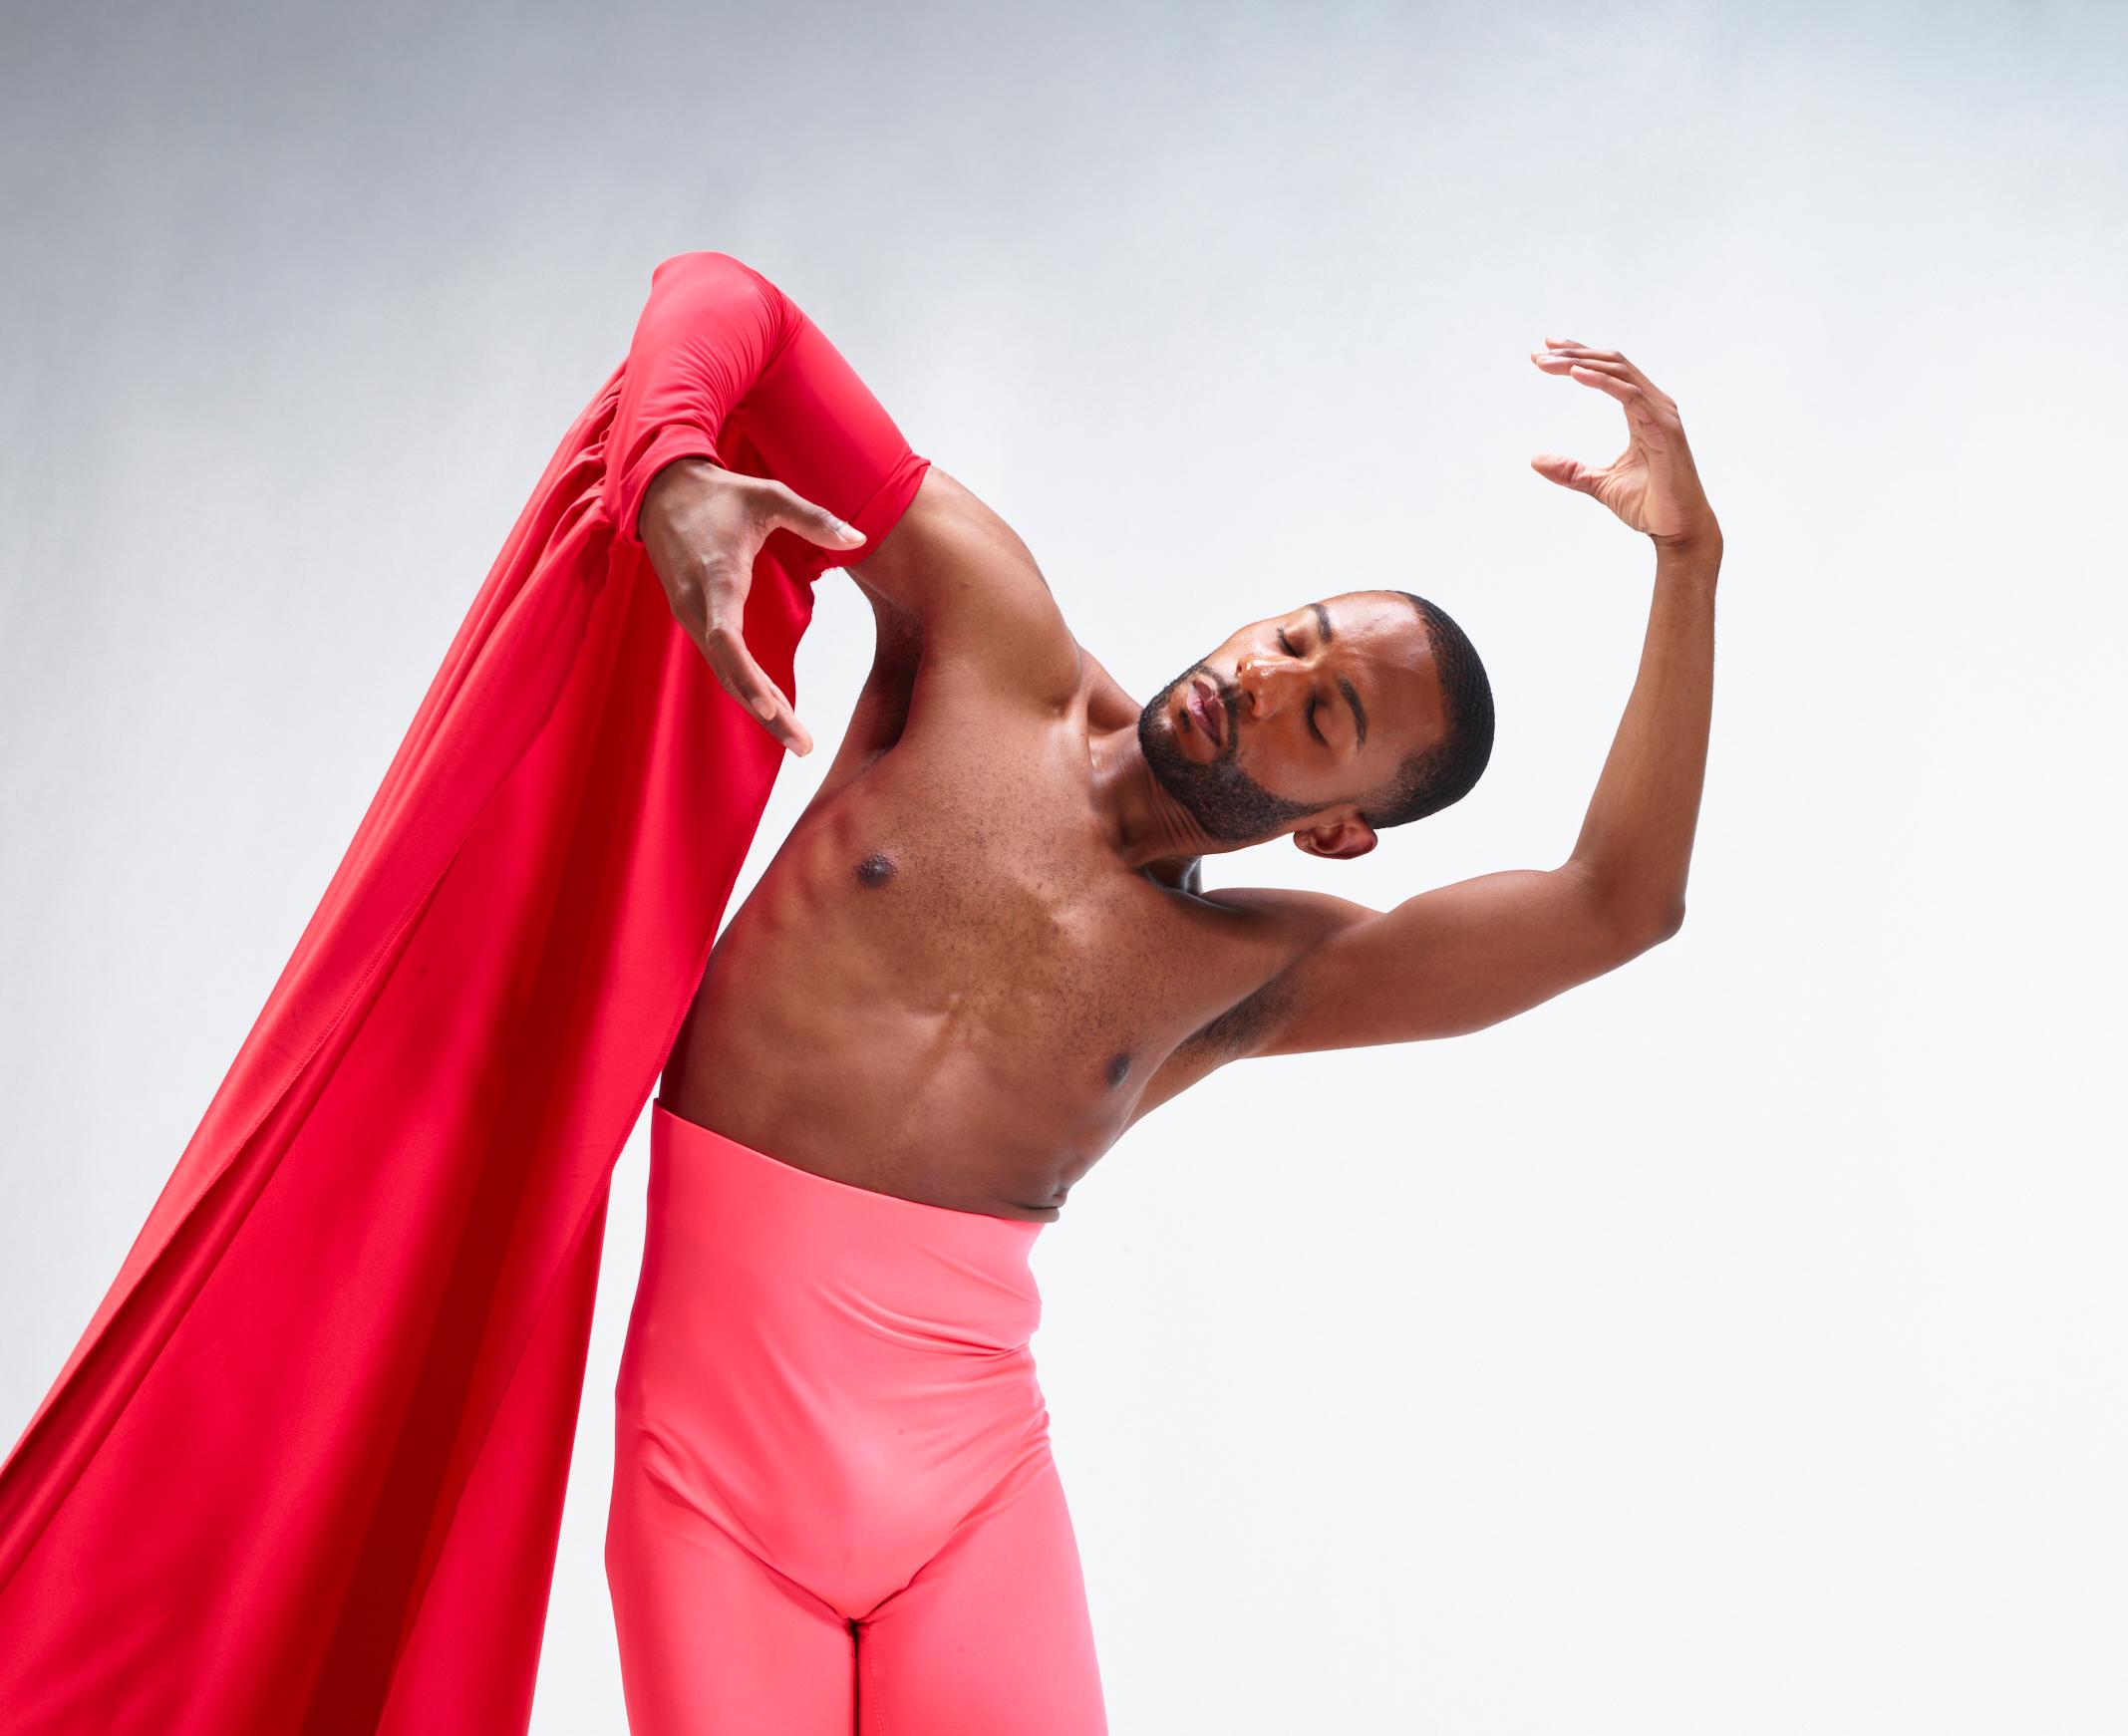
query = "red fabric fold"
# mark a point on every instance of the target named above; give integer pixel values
(304, 1470)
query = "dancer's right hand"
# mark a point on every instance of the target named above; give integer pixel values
(702, 526)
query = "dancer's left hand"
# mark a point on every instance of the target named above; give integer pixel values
(1653, 485)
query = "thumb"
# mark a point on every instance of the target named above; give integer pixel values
(816, 524)
(1567, 472)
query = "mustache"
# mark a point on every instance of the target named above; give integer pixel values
(1225, 800)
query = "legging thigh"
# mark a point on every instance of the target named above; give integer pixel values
(991, 1637)
(713, 1642)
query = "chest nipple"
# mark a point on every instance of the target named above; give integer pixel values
(875, 870)
(1117, 1069)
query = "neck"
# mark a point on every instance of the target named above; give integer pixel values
(1144, 824)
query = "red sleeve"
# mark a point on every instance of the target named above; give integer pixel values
(725, 366)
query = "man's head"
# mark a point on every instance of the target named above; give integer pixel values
(1331, 722)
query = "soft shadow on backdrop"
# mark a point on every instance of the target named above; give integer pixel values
(1733, 1344)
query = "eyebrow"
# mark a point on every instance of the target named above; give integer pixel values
(1351, 697)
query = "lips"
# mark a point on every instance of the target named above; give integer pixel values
(1202, 700)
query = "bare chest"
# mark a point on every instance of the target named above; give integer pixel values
(947, 977)
(975, 904)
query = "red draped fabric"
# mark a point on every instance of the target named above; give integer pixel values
(304, 1471)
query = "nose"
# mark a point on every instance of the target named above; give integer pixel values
(1267, 683)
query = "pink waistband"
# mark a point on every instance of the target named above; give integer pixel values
(737, 1202)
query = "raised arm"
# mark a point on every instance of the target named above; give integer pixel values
(1469, 955)
(742, 436)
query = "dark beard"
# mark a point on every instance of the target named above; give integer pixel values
(1221, 798)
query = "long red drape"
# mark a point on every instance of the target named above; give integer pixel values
(304, 1471)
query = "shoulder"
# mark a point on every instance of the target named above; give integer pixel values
(1288, 927)
(1300, 922)
(985, 610)
(1301, 919)
(1283, 929)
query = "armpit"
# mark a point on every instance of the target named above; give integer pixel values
(1237, 1032)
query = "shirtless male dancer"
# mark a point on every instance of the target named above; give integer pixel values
(981, 954)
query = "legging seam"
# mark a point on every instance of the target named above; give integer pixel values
(867, 1726)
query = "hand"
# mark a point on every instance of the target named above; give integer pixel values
(1653, 484)
(702, 526)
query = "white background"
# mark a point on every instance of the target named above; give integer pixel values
(1734, 1343)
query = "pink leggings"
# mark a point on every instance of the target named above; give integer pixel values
(834, 1507)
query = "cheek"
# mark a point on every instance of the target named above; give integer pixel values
(1289, 765)
(1269, 762)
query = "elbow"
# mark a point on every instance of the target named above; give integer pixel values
(1634, 918)
(1638, 928)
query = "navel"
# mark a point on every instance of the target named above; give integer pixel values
(875, 870)
(1117, 1069)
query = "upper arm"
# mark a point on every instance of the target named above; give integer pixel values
(985, 609)
(881, 711)
(1449, 962)
(1441, 964)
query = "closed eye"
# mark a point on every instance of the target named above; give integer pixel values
(1286, 645)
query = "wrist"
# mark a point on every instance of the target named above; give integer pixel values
(675, 484)
(692, 468)
(679, 455)
(1701, 542)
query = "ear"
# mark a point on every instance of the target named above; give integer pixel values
(1340, 840)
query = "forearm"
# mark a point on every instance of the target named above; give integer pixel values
(1636, 844)
(726, 369)
(709, 329)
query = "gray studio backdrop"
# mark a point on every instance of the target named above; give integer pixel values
(1734, 1343)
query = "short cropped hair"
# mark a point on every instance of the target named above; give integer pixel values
(1448, 769)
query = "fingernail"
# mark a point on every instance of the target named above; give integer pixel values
(850, 531)
(764, 708)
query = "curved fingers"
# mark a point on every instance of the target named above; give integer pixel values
(1589, 373)
(1620, 388)
(1613, 360)
(786, 510)
(722, 642)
